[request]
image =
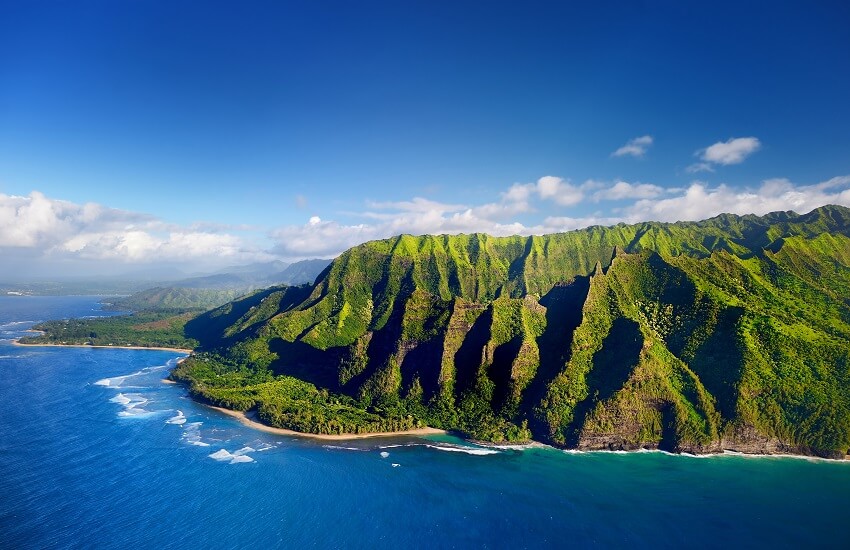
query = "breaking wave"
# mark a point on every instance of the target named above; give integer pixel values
(236, 457)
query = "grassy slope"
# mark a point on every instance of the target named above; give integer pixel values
(727, 333)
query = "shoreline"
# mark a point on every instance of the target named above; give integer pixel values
(154, 348)
(247, 419)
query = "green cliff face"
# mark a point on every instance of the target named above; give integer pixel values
(731, 333)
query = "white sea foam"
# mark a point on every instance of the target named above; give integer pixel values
(132, 403)
(16, 323)
(153, 369)
(192, 434)
(118, 381)
(341, 448)
(467, 450)
(180, 418)
(516, 447)
(121, 399)
(384, 454)
(115, 381)
(720, 455)
(236, 457)
(135, 413)
(450, 448)
(222, 454)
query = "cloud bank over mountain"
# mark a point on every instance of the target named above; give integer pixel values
(52, 236)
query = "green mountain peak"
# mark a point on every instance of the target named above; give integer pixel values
(732, 332)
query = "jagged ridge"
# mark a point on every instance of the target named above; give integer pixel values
(727, 333)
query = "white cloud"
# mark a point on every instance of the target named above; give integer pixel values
(559, 190)
(634, 147)
(417, 216)
(699, 201)
(623, 190)
(62, 229)
(648, 202)
(699, 167)
(37, 228)
(732, 151)
(417, 204)
(518, 192)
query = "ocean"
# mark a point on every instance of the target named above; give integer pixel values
(97, 452)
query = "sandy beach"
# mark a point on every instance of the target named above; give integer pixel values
(249, 420)
(177, 350)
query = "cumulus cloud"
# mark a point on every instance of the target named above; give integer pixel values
(319, 238)
(732, 151)
(623, 190)
(699, 201)
(57, 228)
(699, 167)
(549, 188)
(724, 153)
(38, 228)
(648, 202)
(634, 147)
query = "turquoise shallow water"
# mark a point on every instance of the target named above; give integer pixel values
(96, 452)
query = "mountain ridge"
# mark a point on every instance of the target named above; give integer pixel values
(730, 332)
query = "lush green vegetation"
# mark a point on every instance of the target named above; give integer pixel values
(284, 401)
(175, 298)
(144, 329)
(733, 332)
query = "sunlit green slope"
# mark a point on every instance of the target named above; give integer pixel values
(730, 333)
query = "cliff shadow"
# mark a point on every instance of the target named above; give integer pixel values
(505, 400)
(384, 341)
(468, 357)
(303, 361)
(424, 362)
(612, 366)
(718, 362)
(208, 328)
(669, 438)
(564, 313)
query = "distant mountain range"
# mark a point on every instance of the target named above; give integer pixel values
(235, 279)
(729, 333)
(208, 291)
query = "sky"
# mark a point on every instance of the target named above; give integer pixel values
(187, 136)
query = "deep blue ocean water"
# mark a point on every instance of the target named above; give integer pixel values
(97, 452)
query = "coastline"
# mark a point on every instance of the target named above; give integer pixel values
(248, 419)
(177, 350)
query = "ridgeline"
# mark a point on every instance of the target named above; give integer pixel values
(729, 333)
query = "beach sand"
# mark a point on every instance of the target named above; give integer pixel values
(248, 419)
(177, 350)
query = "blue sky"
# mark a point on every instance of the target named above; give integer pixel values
(202, 133)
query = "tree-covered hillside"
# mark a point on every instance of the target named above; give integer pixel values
(732, 332)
